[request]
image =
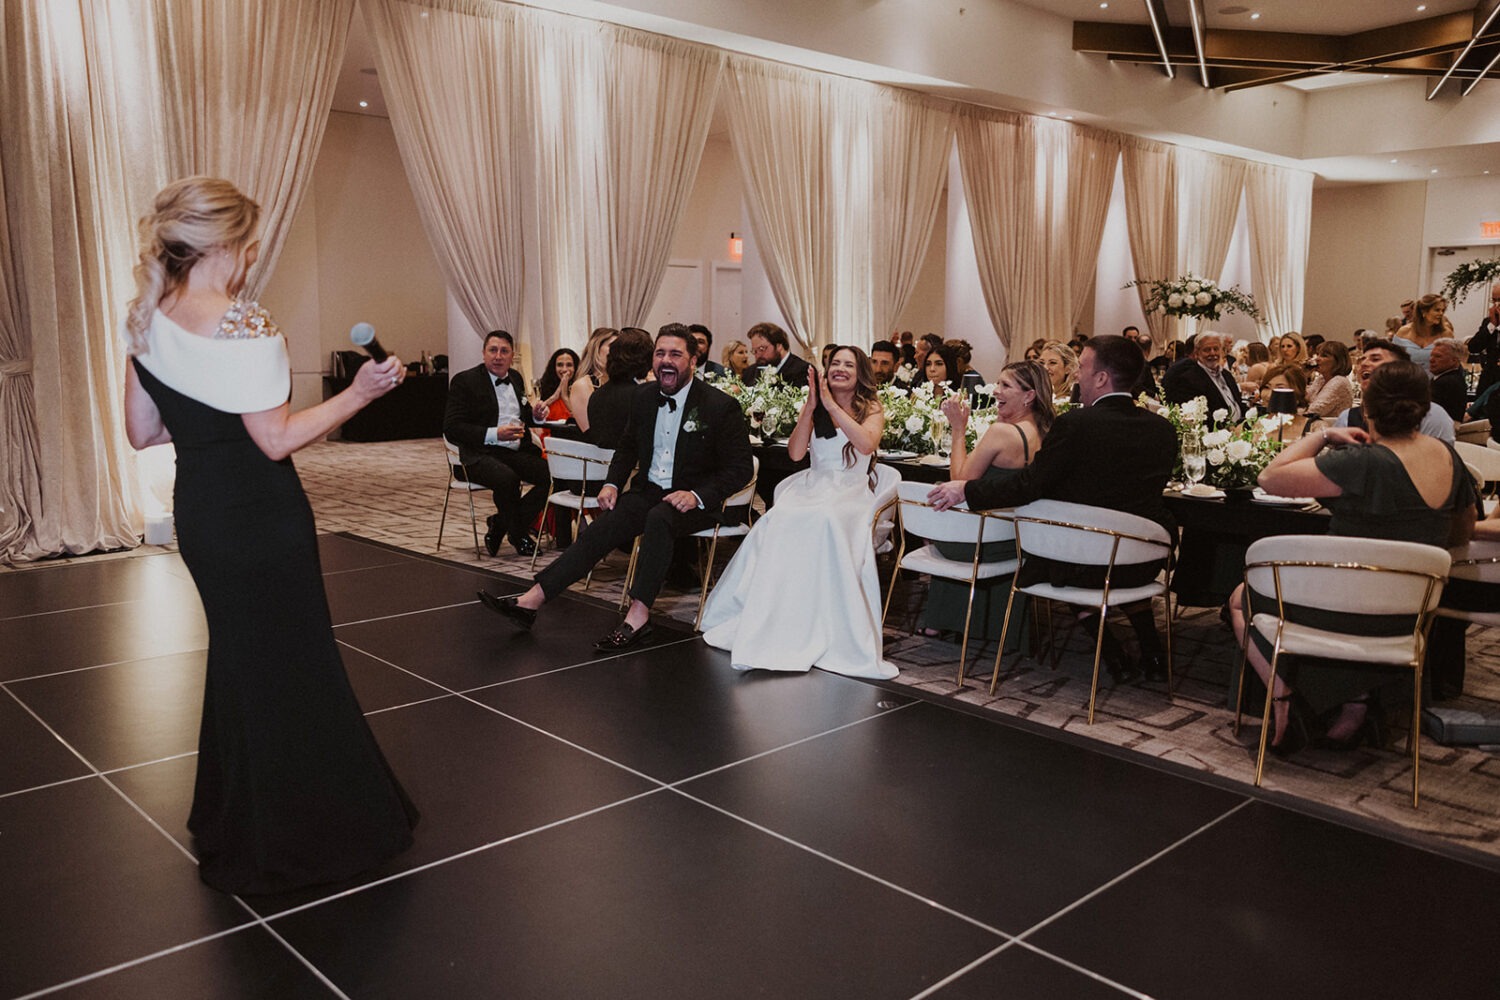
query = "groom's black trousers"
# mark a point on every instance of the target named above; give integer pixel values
(639, 511)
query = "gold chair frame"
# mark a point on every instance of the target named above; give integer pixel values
(451, 461)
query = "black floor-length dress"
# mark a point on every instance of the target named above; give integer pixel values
(291, 789)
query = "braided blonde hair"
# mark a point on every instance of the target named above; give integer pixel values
(190, 218)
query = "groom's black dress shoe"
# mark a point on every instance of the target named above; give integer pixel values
(1153, 665)
(493, 534)
(622, 638)
(524, 544)
(508, 607)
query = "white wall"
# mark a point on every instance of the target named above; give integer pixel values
(1365, 255)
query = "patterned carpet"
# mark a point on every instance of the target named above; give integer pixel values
(393, 493)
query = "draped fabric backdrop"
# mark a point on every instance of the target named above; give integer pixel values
(89, 89)
(1212, 187)
(1278, 204)
(1038, 193)
(552, 157)
(1150, 170)
(843, 180)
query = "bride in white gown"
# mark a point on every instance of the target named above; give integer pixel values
(802, 591)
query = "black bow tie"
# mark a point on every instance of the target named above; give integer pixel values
(668, 402)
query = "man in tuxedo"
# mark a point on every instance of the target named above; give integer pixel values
(703, 338)
(773, 352)
(885, 358)
(1106, 453)
(1484, 346)
(689, 448)
(490, 419)
(1436, 424)
(1204, 374)
(1450, 390)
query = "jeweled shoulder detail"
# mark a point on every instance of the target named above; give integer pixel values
(246, 320)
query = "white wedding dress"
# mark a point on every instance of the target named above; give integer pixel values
(803, 591)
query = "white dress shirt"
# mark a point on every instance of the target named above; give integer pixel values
(664, 442)
(510, 413)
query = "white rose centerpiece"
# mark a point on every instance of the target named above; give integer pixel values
(1190, 295)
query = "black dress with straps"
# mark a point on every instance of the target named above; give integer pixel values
(291, 788)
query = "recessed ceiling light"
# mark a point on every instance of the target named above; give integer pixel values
(364, 104)
(1434, 170)
(1104, 6)
(1393, 159)
(1255, 16)
(1421, 7)
(1067, 118)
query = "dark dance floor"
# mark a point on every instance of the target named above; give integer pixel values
(655, 825)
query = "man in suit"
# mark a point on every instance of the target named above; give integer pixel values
(773, 352)
(703, 338)
(885, 358)
(1484, 346)
(689, 448)
(1450, 390)
(1436, 424)
(490, 419)
(1106, 453)
(1204, 375)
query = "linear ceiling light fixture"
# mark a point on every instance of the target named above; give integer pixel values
(1482, 73)
(1157, 24)
(1489, 19)
(1196, 16)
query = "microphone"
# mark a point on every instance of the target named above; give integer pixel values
(363, 335)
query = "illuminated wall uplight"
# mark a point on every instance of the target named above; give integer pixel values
(364, 104)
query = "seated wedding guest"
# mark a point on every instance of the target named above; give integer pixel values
(963, 354)
(941, 369)
(1427, 324)
(1331, 391)
(552, 388)
(1392, 325)
(591, 374)
(1286, 377)
(489, 417)
(736, 358)
(1387, 480)
(1034, 349)
(1312, 342)
(803, 591)
(885, 358)
(1446, 656)
(1023, 415)
(923, 347)
(689, 449)
(1484, 346)
(1290, 349)
(703, 337)
(1257, 360)
(1062, 370)
(773, 352)
(1106, 453)
(1436, 424)
(610, 406)
(1450, 388)
(1205, 375)
(824, 355)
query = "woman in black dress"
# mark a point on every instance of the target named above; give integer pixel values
(291, 788)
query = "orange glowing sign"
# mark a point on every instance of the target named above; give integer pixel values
(1490, 230)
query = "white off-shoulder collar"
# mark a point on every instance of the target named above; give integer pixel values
(236, 375)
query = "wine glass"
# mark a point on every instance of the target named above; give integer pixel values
(1194, 463)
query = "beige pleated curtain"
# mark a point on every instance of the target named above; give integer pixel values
(101, 103)
(552, 157)
(842, 181)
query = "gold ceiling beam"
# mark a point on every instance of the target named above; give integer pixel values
(1195, 15)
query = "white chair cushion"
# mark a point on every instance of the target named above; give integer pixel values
(1091, 598)
(573, 501)
(928, 560)
(1393, 650)
(725, 531)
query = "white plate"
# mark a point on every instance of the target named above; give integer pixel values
(1202, 491)
(1261, 496)
(554, 423)
(933, 460)
(896, 456)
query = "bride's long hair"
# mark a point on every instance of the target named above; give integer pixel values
(866, 400)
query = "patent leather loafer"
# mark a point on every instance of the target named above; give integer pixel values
(622, 638)
(492, 536)
(507, 607)
(524, 545)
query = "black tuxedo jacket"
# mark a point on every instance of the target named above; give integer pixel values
(713, 457)
(1484, 347)
(1113, 454)
(472, 410)
(793, 372)
(1451, 392)
(1186, 380)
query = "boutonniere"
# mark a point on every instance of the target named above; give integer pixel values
(690, 424)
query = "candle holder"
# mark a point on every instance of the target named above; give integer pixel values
(1283, 402)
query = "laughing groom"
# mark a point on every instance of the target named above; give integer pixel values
(689, 448)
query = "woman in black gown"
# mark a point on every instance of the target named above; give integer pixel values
(291, 788)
